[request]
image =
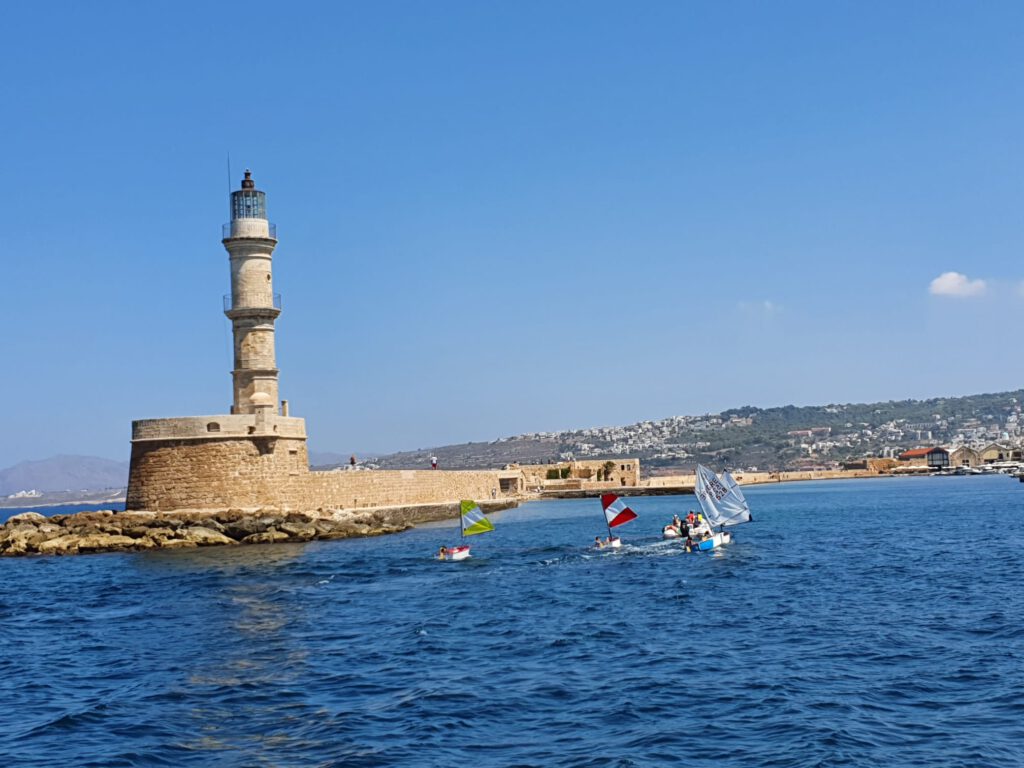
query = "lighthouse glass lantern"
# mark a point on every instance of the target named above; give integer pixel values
(248, 202)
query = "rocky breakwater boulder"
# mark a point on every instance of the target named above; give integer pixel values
(85, 532)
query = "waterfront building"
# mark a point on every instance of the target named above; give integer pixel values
(995, 452)
(933, 458)
(964, 457)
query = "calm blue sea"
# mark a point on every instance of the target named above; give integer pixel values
(862, 623)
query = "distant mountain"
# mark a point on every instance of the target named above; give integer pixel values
(63, 473)
(788, 437)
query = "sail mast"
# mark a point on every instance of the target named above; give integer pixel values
(615, 512)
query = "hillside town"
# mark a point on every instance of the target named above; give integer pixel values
(773, 439)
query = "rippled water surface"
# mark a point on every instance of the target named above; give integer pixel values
(855, 623)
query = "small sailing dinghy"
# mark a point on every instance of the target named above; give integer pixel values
(615, 514)
(724, 505)
(674, 530)
(473, 521)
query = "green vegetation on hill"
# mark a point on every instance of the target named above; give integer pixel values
(767, 438)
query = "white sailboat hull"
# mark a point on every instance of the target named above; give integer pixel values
(718, 539)
(457, 553)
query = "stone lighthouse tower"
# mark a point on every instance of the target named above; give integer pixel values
(255, 455)
(252, 306)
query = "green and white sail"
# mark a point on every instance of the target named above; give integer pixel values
(473, 520)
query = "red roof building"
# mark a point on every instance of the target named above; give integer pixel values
(937, 458)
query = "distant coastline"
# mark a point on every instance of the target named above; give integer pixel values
(660, 485)
(64, 499)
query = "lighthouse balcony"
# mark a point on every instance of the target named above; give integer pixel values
(249, 228)
(252, 301)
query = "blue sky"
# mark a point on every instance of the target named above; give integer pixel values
(500, 218)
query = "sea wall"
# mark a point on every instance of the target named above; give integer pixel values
(273, 472)
(347, 489)
(754, 478)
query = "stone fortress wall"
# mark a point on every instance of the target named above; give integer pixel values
(759, 478)
(585, 474)
(219, 472)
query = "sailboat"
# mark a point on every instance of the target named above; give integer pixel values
(615, 514)
(724, 505)
(473, 521)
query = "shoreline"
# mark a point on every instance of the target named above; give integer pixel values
(658, 485)
(33, 534)
(119, 499)
(664, 488)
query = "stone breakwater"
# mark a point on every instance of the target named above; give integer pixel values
(31, 533)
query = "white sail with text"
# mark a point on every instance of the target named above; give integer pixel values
(734, 488)
(722, 506)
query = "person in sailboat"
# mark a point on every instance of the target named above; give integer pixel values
(691, 518)
(597, 542)
(442, 553)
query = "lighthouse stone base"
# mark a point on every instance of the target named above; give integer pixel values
(250, 461)
(211, 462)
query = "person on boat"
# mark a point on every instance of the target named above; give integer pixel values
(597, 542)
(442, 553)
(689, 544)
(677, 523)
(691, 518)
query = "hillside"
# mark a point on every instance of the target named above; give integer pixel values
(766, 438)
(64, 473)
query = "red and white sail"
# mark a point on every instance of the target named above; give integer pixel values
(616, 511)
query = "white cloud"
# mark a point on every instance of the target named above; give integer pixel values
(956, 284)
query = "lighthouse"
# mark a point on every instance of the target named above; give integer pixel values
(256, 454)
(252, 306)
(255, 458)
